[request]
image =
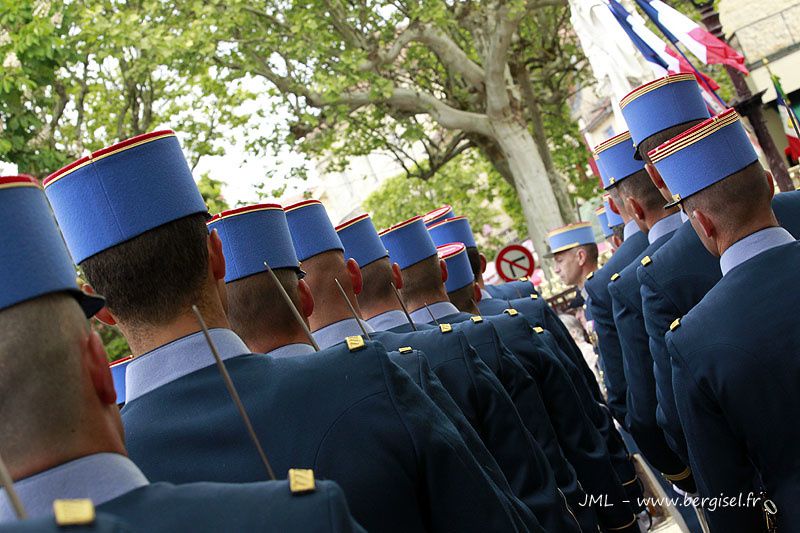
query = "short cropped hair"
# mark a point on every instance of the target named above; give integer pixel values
(422, 278)
(463, 298)
(41, 377)
(151, 278)
(377, 281)
(591, 250)
(661, 137)
(256, 307)
(640, 187)
(733, 199)
(474, 257)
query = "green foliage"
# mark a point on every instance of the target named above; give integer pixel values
(470, 185)
(211, 190)
(116, 345)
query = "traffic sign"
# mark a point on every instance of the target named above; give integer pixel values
(514, 262)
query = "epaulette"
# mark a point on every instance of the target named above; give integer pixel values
(679, 476)
(476, 319)
(405, 349)
(615, 276)
(511, 312)
(534, 296)
(590, 276)
(523, 278)
(675, 324)
(74, 512)
(445, 328)
(301, 480)
(538, 329)
(355, 342)
(646, 260)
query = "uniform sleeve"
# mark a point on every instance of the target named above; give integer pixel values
(719, 460)
(611, 354)
(504, 432)
(488, 460)
(659, 312)
(582, 444)
(641, 393)
(453, 491)
(338, 511)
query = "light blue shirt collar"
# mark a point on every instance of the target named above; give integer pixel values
(177, 359)
(684, 216)
(752, 245)
(336, 332)
(438, 310)
(665, 225)
(485, 295)
(629, 229)
(100, 477)
(388, 320)
(290, 350)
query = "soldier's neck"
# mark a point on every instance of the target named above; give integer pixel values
(143, 339)
(372, 308)
(272, 340)
(421, 300)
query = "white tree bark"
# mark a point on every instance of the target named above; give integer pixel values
(530, 176)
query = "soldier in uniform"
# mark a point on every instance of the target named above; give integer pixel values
(616, 163)
(473, 386)
(642, 200)
(574, 252)
(539, 315)
(579, 440)
(739, 343)
(134, 220)
(61, 435)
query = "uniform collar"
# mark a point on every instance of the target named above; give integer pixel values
(388, 320)
(290, 350)
(438, 310)
(177, 359)
(101, 477)
(684, 216)
(485, 295)
(629, 229)
(666, 225)
(336, 332)
(752, 245)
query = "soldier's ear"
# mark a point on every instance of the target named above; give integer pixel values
(705, 224)
(634, 208)
(483, 263)
(443, 266)
(397, 276)
(655, 176)
(216, 258)
(476, 292)
(97, 363)
(306, 298)
(354, 271)
(613, 205)
(103, 315)
(771, 182)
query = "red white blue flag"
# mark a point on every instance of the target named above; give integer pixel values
(677, 27)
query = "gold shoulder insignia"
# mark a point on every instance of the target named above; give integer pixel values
(445, 328)
(590, 276)
(405, 349)
(538, 329)
(646, 260)
(356, 342)
(615, 276)
(680, 475)
(301, 480)
(476, 319)
(73, 512)
(675, 324)
(523, 278)
(534, 296)
(511, 312)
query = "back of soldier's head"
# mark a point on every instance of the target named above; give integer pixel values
(640, 187)
(377, 282)
(42, 383)
(151, 279)
(422, 279)
(133, 218)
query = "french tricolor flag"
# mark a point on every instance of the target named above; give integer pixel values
(663, 58)
(677, 27)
